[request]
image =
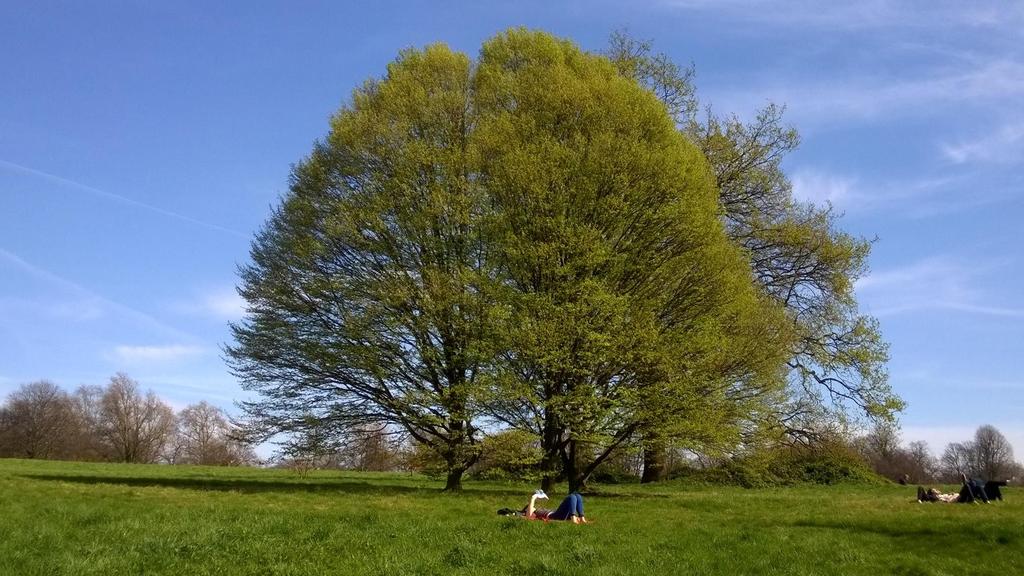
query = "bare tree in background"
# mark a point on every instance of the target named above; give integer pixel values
(36, 422)
(881, 448)
(205, 437)
(137, 428)
(371, 449)
(957, 460)
(923, 467)
(993, 455)
(989, 456)
(87, 405)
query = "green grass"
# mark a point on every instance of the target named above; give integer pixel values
(80, 519)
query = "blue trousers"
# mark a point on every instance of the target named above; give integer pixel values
(571, 506)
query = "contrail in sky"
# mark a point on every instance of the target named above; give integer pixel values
(50, 277)
(118, 198)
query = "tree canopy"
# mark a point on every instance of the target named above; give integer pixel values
(526, 239)
(799, 256)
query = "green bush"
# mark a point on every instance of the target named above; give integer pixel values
(826, 463)
(425, 460)
(622, 467)
(508, 455)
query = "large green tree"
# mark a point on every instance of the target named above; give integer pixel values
(630, 308)
(368, 290)
(527, 237)
(799, 256)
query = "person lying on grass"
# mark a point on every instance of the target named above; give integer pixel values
(970, 491)
(933, 495)
(570, 509)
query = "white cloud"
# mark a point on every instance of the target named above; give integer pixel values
(1005, 145)
(939, 379)
(938, 283)
(827, 100)
(226, 304)
(919, 198)
(223, 389)
(169, 353)
(220, 304)
(821, 188)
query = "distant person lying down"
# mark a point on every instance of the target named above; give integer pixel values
(933, 495)
(970, 491)
(570, 509)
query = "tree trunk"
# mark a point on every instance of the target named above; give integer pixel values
(578, 482)
(454, 482)
(654, 464)
(572, 467)
(550, 445)
(577, 469)
(547, 483)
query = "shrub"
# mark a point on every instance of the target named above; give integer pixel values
(825, 463)
(510, 454)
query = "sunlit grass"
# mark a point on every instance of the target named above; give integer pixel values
(77, 519)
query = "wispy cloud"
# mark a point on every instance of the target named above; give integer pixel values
(116, 197)
(168, 353)
(75, 310)
(220, 304)
(821, 188)
(227, 304)
(865, 14)
(919, 198)
(83, 299)
(1005, 145)
(938, 283)
(855, 97)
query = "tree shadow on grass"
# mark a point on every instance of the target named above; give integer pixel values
(930, 537)
(598, 493)
(262, 486)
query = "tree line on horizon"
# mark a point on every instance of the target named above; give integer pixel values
(120, 423)
(987, 456)
(115, 423)
(561, 243)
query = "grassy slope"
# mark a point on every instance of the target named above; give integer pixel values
(79, 519)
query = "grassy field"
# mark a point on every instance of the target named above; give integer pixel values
(79, 519)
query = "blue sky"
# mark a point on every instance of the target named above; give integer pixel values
(141, 145)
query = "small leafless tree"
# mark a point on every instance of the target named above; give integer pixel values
(205, 437)
(881, 448)
(993, 455)
(372, 449)
(37, 422)
(989, 456)
(137, 427)
(87, 406)
(923, 467)
(957, 460)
